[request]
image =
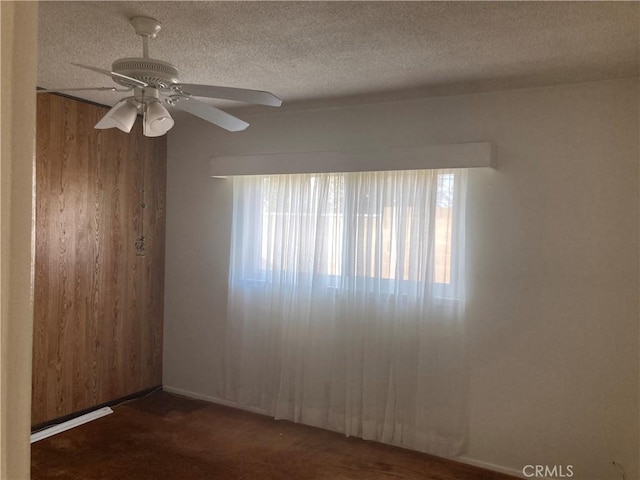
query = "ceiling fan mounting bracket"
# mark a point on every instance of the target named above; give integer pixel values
(146, 26)
(176, 97)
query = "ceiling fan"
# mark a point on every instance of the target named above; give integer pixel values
(154, 81)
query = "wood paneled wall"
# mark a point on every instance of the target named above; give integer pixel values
(98, 305)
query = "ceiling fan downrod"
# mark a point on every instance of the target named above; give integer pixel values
(147, 28)
(150, 71)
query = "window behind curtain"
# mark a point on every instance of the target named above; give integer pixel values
(386, 230)
(346, 304)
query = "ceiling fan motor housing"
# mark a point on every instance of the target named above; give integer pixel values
(156, 73)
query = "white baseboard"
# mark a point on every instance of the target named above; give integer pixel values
(207, 398)
(68, 425)
(228, 403)
(491, 466)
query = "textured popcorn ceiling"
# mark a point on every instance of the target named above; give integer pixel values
(336, 52)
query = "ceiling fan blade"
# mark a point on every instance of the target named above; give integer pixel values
(134, 82)
(105, 89)
(227, 93)
(210, 114)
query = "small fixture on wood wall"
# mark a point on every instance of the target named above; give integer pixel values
(140, 239)
(139, 243)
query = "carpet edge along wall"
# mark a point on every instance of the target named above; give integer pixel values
(98, 306)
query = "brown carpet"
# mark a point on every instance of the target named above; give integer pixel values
(165, 436)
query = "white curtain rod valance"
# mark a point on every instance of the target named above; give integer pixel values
(455, 155)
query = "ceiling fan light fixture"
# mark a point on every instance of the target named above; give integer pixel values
(122, 116)
(154, 81)
(157, 120)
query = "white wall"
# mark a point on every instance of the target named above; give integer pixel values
(18, 98)
(553, 330)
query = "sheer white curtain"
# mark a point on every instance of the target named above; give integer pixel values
(345, 304)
